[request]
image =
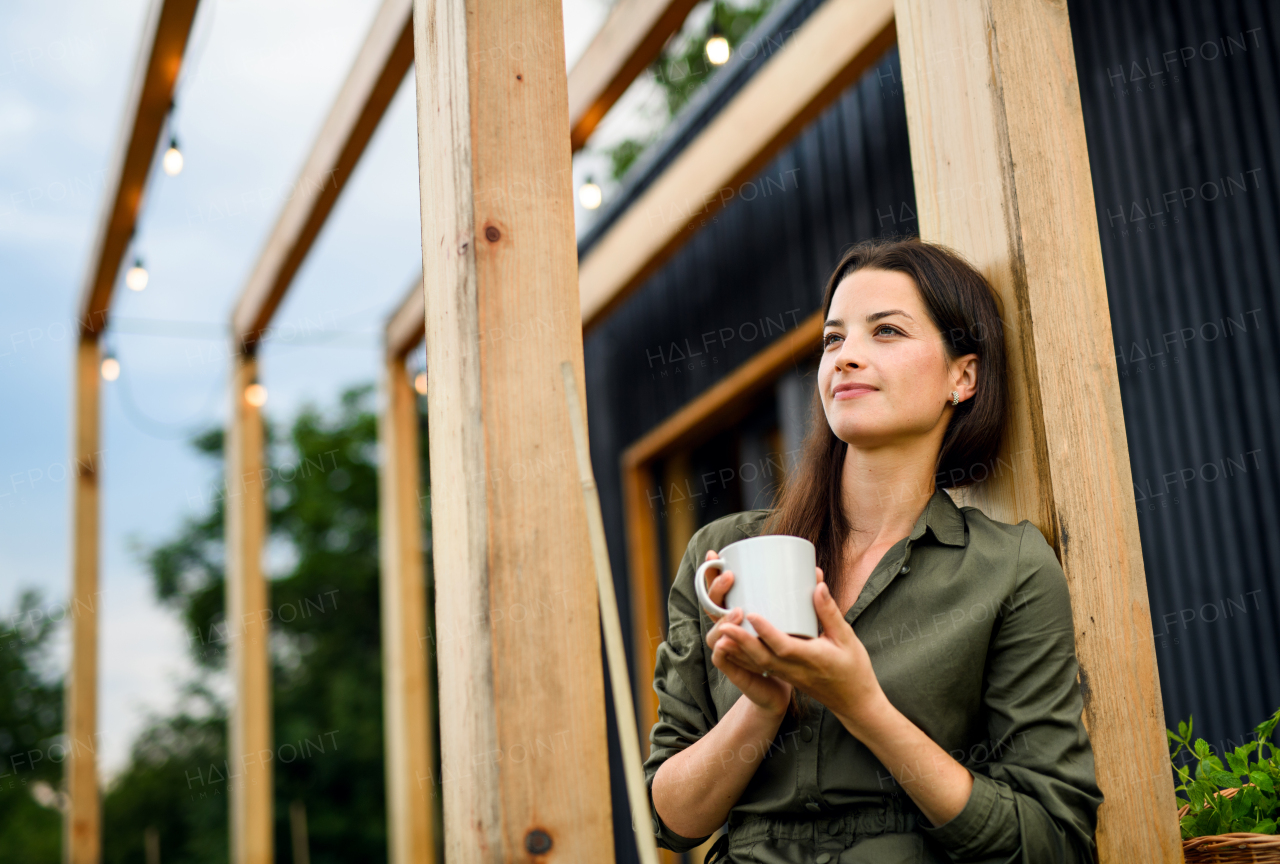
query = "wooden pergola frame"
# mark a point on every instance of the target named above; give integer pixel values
(164, 42)
(992, 104)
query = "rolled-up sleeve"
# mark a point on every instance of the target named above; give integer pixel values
(1036, 800)
(685, 709)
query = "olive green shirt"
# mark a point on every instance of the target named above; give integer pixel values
(968, 624)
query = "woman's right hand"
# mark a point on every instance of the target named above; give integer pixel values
(771, 695)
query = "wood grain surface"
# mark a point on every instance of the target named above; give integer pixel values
(522, 723)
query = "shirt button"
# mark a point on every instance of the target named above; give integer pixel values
(823, 858)
(906, 568)
(833, 828)
(812, 806)
(806, 733)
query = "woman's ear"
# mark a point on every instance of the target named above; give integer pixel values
(964, 372)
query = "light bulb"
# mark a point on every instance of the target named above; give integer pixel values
(589, 195)
(172, 159)
(420, 383)
(718, 50)
(110, 368)
(255, 395)
(137, 276)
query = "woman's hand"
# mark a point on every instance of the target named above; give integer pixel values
(771, 695)
(834, 668)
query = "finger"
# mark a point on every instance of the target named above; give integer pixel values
(833, 623)
(770, 637)
(717, 629)
(711, 553)
(756, 651)
(733, 653)
(821, 576)
(720, 587)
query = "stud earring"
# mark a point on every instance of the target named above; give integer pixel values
(955, 397)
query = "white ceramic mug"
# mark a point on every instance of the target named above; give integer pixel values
(773, 576)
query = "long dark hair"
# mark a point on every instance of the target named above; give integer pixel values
(963, 307)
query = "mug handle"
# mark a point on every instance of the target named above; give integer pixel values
(700, 583)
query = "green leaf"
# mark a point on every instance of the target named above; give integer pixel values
(1262, 781)
(1266, 826)
(1239, 764)
(1183, 729)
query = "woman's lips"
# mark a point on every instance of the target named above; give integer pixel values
(852, 391)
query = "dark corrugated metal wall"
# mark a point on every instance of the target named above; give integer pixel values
(1183, 124)
(1192, 276)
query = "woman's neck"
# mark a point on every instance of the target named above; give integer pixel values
(884, 490)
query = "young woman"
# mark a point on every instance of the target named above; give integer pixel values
(938, 715)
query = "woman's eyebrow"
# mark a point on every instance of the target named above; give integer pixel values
(833, 322)
(876, 316)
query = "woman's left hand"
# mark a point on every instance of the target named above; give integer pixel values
(834, 668)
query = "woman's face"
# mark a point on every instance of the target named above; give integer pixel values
(885, 376)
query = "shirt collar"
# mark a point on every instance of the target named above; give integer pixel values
(943, 518)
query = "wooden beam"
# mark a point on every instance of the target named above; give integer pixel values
(82, 822)
(1002, 175)
(406, 699)
(835, 45)
(407, 326)
(164, 40)
(383, 61)
(249, 736)
(631, 37)
(509, 525)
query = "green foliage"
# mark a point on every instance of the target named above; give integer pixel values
(683, 67)
(623, 155)
(1254, 809)
(31, 743)
(163, 788)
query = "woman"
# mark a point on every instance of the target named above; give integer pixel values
(938, 715)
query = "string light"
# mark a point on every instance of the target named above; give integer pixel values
(110, 368)
(137, 276)
(256, 395)
(717, 47)
(420, 383)
(589, 194)
(173, 159)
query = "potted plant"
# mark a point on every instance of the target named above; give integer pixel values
(1229, 814)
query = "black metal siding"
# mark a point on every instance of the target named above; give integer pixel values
(1192, 271)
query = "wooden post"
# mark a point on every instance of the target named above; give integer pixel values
(525, 767)
(249, 741)
(82, 829)
(406, 699)
(1002, 175)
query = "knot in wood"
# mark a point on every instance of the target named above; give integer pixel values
(537, 842)
(492, 234)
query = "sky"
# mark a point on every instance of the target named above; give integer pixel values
(256, 84)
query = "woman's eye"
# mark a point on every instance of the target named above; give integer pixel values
(829, 339)
(886, 330)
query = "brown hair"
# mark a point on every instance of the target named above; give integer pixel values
(963, 307)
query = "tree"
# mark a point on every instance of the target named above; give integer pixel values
(32, 745)
(682, 67)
